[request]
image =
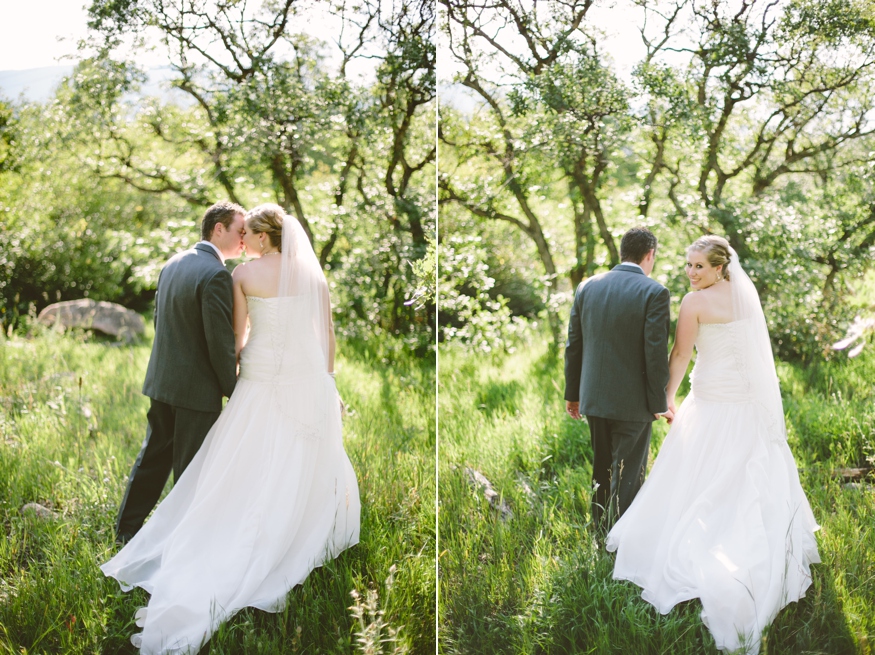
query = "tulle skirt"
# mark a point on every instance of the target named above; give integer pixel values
(265, 501)
(722, 517)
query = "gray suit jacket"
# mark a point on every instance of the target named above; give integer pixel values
(616, 356)
(193, 363)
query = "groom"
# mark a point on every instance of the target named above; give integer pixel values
(192, 365)
(616, 371)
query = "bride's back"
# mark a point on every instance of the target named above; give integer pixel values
(282, 341)
(714, 304)
(260, 277)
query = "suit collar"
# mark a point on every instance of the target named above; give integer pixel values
(206, 246)
(629, 268)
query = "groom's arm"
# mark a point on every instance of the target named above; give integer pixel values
(574, 350)
(216, 309)
(656, 328)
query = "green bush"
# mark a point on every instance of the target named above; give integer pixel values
(71, 261)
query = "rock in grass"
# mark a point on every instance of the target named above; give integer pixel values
(858, 486)
(852, 473)
(40, 511)
(107, 317)
(478, 480)
(523, 483)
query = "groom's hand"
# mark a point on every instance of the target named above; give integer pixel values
(573, 409)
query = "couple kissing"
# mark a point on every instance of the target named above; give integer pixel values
(263, 490)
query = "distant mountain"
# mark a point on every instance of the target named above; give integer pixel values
(38, 84)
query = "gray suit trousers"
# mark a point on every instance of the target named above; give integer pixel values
(620, 451)
(173, 437)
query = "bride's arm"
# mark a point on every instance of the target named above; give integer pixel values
(682, 351)
(241, 311)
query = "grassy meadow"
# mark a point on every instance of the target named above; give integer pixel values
(523, 574)
(72, 420)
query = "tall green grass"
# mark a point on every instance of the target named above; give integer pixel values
(72, 420)
(538, 582)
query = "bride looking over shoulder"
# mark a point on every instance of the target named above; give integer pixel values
(722, 516)
(710, 303)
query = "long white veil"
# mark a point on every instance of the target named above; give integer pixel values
(301, 276)
(755, 348)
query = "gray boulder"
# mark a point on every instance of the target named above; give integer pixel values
(107, 317)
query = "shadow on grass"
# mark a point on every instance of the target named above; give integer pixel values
(815, 624)
(408, 434)
(497, 396)
(568, 446)
(595, 614)
(482, 560)
(322, 599)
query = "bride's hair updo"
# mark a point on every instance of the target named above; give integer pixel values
(267, 219)
(716, 250)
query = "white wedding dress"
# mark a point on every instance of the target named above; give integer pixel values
(722, 516)
(269, 496)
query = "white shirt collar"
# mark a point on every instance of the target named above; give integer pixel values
(625, 263)
(216, 248)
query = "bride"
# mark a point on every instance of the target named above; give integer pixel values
(722, 516)
(271, 493)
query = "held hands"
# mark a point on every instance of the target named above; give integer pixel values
(573, 410)
(668, 415)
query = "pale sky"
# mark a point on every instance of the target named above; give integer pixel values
(37, 33)
(30, 29)
(620, 39)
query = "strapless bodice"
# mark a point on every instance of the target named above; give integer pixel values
(719, 374)
(282, 342)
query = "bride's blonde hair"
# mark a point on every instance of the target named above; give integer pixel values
(267, 219)
(716, 250)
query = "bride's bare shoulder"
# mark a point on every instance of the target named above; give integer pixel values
(258, 277)
(241, 271)
(247, 272)
(708, 294)
(691, 299)
(717, 292)
(712, 304)
(251, 268)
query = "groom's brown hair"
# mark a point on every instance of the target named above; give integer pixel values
(636, 243)
(222, 212)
